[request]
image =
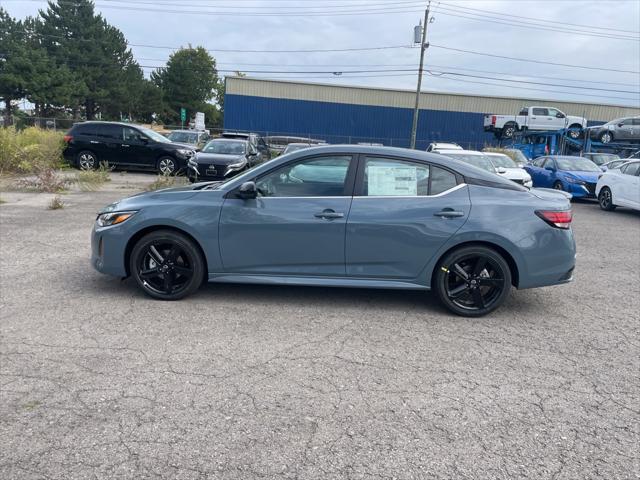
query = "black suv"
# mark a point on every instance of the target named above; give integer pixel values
(122, 144)
(255, 139)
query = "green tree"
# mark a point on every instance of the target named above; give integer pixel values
(96, 54)
(14, 64)
(189, 80)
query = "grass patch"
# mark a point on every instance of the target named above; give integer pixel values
(166, 181)
(2, 201)
(92, 180)
(56, 203)
(30, 150)
(47, 180)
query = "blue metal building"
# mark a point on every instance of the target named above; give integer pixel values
(346, 114)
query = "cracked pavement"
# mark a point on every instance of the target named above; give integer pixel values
(243, 382)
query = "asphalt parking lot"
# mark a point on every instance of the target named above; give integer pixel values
(239, 382)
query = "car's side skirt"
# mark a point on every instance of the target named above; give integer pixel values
(316, 281)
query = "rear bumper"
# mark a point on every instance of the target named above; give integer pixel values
(553, 262)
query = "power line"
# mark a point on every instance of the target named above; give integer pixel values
(534, 61)
(544, 20)
(485, 18)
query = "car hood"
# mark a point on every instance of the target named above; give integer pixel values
(217, 158)
(516, 174)
(590, 177)
(167, 195)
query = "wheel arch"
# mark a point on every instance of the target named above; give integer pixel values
(154, 228)
(513, 265)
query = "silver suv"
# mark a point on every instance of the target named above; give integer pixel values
(621, 129)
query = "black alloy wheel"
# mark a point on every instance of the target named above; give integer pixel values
(558, 186)
(87, 160)
(167, 265)
(575, 133)
(167, 166)
(605, 199)
(473, 281)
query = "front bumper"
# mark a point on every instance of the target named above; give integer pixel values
(586, 190)
(108, 247)
(206, 172)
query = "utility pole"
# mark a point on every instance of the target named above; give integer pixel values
(423, 47)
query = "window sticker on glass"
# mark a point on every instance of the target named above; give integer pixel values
(392, 181)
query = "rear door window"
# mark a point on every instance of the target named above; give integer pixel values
(540, 111)
(110, 132)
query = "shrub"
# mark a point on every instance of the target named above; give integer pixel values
(166, 181)
(56, 203)
(46, 180)
(30, 150)
(91, 180)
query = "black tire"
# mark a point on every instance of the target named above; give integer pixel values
(167, 265)
(575, 134)
(605, 137)
(472, 281)
(605, 199)
(87, 160)
(167, 165)
(508, 130)
(558, 185)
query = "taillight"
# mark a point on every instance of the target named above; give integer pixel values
(555, 218)
(493, 120)
(68, 138)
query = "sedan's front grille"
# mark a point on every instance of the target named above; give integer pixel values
(519, 181)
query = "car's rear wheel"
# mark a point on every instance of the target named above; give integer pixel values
(575, 131)
(509, 130)
(473, 281)
(166, 166)
(605, 137)
(167, 265)
(605, 199)
(87, 160)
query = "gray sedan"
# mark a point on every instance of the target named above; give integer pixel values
(345, 216)
(620, 129)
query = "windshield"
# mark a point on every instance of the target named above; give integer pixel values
(615, 122)
(293, 148)
(579, 164)
(601, 158)
(153, 135)
(520, 158)
(225, 148)
(480, 161)
(501, 160)
(183, 137)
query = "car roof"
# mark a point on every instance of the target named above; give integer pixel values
(495, 154)
(466, 152)
(459, 166)
(453, 144)
(228, 140)
(187, 131)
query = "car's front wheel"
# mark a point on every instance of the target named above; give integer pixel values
(472, 281)
(605, 137)
(575, 131)
(509, 130)
(167, 265)
(605, 199)
(167, 166)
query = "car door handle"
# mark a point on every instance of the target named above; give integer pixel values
(127, 146)
(328, 214)
(448, 213)
(93, 141)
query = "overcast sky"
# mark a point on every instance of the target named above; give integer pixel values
(459, 24)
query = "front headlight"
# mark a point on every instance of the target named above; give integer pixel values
(186, 152)
(113, 218)
(240, 164)
(574, 180)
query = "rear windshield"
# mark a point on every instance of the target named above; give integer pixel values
(502, 161)
(480, 161)
(183, 137)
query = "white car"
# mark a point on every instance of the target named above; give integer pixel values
(435, 147)
(482, 160)
(507, 168)
(620, 187)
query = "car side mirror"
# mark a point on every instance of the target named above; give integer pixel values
(621, 124)
(144, 140)
(248, 190)
(501, 170)
(559, 115)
